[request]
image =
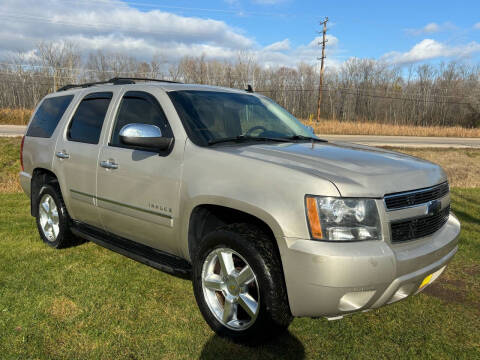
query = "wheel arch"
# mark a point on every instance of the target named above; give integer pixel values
(40, 176)
(206, 217)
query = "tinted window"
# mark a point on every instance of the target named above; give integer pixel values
(86, 124)
(139, 107)
(48, 115)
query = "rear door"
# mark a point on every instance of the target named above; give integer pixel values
(76, 156)
(137, 199)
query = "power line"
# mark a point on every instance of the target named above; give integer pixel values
(373, 96)
(223, 80)
(269, 91)
(128, 4)
(105, 26)
(93, 25)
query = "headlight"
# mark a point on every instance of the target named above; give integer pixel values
(342, 219)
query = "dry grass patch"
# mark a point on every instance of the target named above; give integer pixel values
(333, 127)
(9, 165)
(10, 116)
(63, 309)
(461, 165)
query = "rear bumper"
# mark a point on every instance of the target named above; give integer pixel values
(25, 181)
(334, 279)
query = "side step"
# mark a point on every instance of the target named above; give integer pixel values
(149, 256)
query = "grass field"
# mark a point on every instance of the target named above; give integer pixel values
(10, 116)
(89, 303)
(327, 127)
(333, 127)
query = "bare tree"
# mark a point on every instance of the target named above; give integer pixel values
(359, 90)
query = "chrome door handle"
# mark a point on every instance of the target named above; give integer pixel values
(108, 164)
(62, 155)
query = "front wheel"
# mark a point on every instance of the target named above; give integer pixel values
(238, 284)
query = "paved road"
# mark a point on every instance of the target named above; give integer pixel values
(407, 141)
(399, 141)
(12, 130)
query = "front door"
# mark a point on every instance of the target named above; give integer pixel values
(76, 157)
(138, 189)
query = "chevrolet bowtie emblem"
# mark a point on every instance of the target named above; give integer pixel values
(433, 207)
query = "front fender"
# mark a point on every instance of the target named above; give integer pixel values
(270, 192)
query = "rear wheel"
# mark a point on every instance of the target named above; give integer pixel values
(53, 222)
(238, 284)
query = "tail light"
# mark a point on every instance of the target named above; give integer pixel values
(21, 152)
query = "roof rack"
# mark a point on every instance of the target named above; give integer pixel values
(114, 81)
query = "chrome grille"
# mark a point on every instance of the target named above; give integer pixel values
(416, 228)
(411, 198)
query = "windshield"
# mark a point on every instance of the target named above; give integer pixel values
(210, 117)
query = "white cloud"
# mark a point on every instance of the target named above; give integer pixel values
(268, 2)
(279, 46)
(431, 28)
(428, 49)
(308, 53)
(114, 26)
(477, 26)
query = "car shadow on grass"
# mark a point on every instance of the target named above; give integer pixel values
(284, 346)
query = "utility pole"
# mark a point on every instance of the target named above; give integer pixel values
(322, 59)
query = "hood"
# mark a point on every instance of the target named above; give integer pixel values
(356, 170)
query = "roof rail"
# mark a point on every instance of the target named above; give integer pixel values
(114, 81)
(131, 80)
(84, 85)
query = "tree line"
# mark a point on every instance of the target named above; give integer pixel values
(445, 94)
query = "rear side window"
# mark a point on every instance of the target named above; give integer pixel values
(86, 124)
(48, 115)
(139, 107)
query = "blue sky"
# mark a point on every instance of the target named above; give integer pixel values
(275, 32)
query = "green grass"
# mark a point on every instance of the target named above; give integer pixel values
(89, 303)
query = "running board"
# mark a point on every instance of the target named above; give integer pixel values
(146, 255)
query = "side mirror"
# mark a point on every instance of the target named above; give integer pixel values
(146, 136)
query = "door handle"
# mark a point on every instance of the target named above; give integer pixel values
(108, 164)
(62, 155)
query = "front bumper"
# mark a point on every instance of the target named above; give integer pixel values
(334, 279)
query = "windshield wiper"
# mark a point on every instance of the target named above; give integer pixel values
(302, 137)
(243, 138)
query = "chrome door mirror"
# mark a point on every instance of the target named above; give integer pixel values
(145, 136)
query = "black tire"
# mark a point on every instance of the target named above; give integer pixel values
(256, 247)
(64, 238)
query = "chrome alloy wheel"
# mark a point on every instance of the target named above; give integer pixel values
(48, 217)
(230, 289)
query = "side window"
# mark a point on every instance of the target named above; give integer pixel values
(139, 107)
(48, 115)
(86, 124)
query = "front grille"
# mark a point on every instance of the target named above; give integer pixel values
(416, 197)
(416, 228)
